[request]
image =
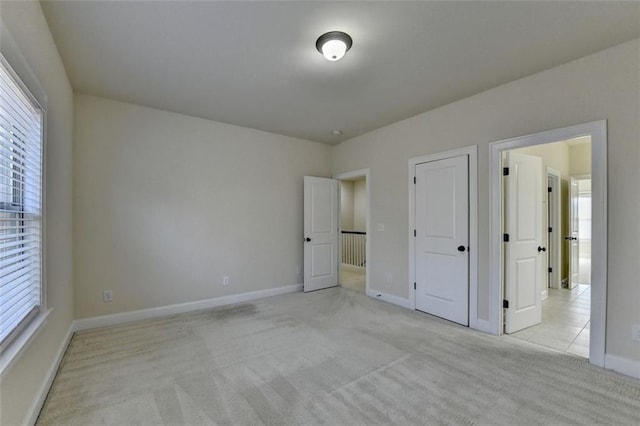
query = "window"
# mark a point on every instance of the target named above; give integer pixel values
(21, 144)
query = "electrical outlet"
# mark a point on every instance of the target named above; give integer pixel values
(635, 331)
(225, 280)
(299, 270)
(107, 296)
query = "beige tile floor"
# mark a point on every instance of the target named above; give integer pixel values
(352, 279)
(565, 321)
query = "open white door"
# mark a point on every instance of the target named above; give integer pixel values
(320, 233)
(442, 238)
(574, 249)
(524, 257)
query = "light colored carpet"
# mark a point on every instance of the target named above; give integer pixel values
(331, 357)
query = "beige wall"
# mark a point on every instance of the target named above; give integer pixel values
(167, 204)
(600, 86)
(353, 205)
(346, 205)
(554, 155)
(359, 206)
(25, 30)
(580, 159)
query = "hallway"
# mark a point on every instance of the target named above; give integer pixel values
(353, 279)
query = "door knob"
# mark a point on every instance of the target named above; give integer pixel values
(541, 249)
(570, 238)
(461, 248)
(307, 239)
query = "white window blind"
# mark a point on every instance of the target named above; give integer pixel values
(20, 206)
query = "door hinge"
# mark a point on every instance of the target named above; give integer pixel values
(550, 229)
(548, 189)
(415, 233)
(505, 304)
(550, 269)
(415, 286)
(414, 180)
(505, 171)
(505, 238)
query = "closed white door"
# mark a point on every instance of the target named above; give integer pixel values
(524, 253)
(320, 233)
(574, 247)
(442, 238)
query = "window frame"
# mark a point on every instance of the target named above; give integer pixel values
(24, 334)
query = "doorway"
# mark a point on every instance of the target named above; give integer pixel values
(573, 316)
(353, 234)
(353, 247)
(557, 317)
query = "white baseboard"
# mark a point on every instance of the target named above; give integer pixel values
(626, 366)
(162, 311)
(36, 406)
(385, 297)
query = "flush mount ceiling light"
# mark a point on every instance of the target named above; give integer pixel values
(334, 44)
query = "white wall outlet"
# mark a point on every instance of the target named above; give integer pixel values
(635, 332)
(225, 280)
(299, 270)
(380, 227)
(107, 296)
(389, 279)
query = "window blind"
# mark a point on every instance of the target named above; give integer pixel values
(20, 206)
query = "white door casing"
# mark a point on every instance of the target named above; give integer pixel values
(442, 238)
(597, 131)
(320, 233)
(572, 236)
(524, 256)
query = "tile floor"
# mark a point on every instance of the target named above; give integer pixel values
(352, 279)
(565, 321)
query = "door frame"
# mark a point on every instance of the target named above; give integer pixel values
(597, 130)
(472, 152)
(554, 210)
(348, 176)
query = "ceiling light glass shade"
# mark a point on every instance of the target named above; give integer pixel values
(334, 50)
(333, 45)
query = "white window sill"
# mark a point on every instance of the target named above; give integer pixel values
(13, 352)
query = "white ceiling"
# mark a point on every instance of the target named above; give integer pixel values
(254, 64)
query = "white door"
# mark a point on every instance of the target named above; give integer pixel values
(442, 238)
(524, 253)
(320, 233)
(574, 248)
